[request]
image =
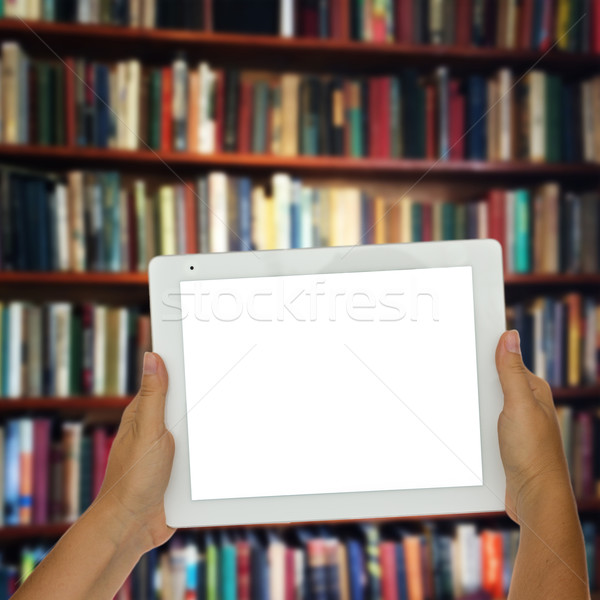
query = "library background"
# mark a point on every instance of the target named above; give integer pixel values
(131, 128)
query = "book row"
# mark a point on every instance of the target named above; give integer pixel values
(358, 562)
(95, 221)
(560, 337)
(51, 471)
(526, 24)
(59, 349)
(199, 109)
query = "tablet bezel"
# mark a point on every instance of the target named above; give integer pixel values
(165, 275)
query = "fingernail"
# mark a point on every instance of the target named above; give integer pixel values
(150, 363)
(512, 342)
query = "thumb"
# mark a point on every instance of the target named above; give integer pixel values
(512, 371)
(150, 410)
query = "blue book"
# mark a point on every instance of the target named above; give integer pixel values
(42, 202)
(537, 31)
(228, 571)
(589, 538)
(401, 572)
(296, 209)
(522, 231)
(259, 570)
(244, 212)
(11, 472)
(548, 339)
(102, 110)
(48, 10)
(476, 118)
(5, 347)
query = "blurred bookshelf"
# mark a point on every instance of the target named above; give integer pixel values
(479, 54)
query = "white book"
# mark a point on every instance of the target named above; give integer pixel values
(166, 198)
(469, 557)
(84, 11)
(298, 574)
(482, 220)
(123, 331)
(206, 117)
(15, 349)
(405, 220)
(99, 336)
(133, 74)
(306, 218)
(217, 204)
(505, 114)
(352, 210)
(509, 231)
(34, 351)
(61, 228)
(286, 18)
(537, 115)
(95, 11)
(61, 313)
(282, 195)
(276, 558)
(140, 215)
(149, 13)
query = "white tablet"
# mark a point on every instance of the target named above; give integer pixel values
(333, 383)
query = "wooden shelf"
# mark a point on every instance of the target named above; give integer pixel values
(135, 279)
(72, 404)
(275, 51)
(163, 163)
(570, 394)
(54, 530)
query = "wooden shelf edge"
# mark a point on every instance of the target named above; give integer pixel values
(313, 46)
(53, 530)
(74, 404)
(101, 157)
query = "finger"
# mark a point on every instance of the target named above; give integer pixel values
(514, 376)
(150, 410)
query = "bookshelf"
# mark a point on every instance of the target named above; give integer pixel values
(275, 54)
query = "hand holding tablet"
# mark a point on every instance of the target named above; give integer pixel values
(331, 383)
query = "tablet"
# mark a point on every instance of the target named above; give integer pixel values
(331, 383)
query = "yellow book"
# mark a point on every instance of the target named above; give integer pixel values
(379, 224)
(112, 351)
(436, 217)
(573, 302)
(562, 24)
(325, 215)
(336, 217)
(166, 196)
(269, 229)
(406, 220)
(290, 84)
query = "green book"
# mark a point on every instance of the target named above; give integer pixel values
(44, 102)
(112, 221)
(416, 234)
(140, 217)
(373, 540)
(522, 231)
(228, 572)
(59, 106)
(310, 117)
(355, 121)
(48, 10)
(154, 109)
(553, 113)
(212, 570)
(460, 221)
(261, 112)
(85, 473)
(1, 8)
(421, 125)
(448, 220)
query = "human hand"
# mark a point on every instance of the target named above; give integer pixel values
(528, 432)
(141, 457)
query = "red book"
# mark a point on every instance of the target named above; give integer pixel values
(99, 437)
(464, 22)
(491, 565)
(344, 19)
(595, 31)
(374, 117)
(456, 129)
(549, 11)
(245, 117)
(41, 469)
(525, 25)
(191, 230)
(208, 15)
(166, 124)
(587, 453)
(308, 21)
(290, 579)
(426, 224)
(70, 111)
(334, 19)
(430, 123)
(384, 115)
(496, 219)
(404, 21)
(220, 111)
(87, 326)
(243, 570)
(389, 579)
(132, 241)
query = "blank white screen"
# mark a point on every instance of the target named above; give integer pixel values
(345, 382)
